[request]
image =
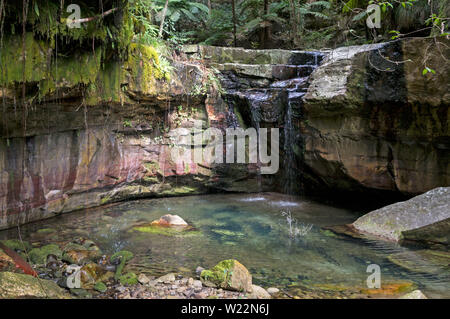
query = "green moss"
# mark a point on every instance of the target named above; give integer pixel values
(16, 244)
(168, 231)
(100, 287)
(144, 63)
(46, 231)
(128, 279)
(220, 274)
(182, 190)
(39, 255)
(124, 256)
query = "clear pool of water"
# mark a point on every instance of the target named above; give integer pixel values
(249, 228)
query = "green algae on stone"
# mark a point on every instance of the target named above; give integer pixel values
(45, 231)
(123, 257)
(16, 244)
(39, 255)
(128, 279)
(228, 274)
(168, 231)
(100, 287)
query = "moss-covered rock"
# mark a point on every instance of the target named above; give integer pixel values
(121, 257)
(100, 287)
(128, 279)
(24, 286)
(39, 255)
(91, 274)
(228, 274)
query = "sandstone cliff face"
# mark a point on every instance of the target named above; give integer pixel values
(371, 124)
(77, 152)
(364, 124)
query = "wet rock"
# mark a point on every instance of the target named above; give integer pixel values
(258, 293)
(199, 270)
(143, 279)
(391, 221)
(170, 220)
(169, 278)
(14, 285)
(416, 294)
(228, 274)
(424, 261)
(91, 274)
(79, 257)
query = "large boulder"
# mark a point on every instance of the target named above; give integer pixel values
(14, 285)
(417, 214)
(228, 274)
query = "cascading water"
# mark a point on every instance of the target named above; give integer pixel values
(275, 102)
(292, 137)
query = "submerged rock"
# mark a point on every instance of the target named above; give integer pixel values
(170, 220)
(392, 221)
(14, 285)
(424, 261)
(228, 274)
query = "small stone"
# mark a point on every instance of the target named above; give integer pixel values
(273, 290)
(197, 284)
(190, 282)
(143, 279)
(167, 279)
(199, 270)
(200, 295)
(258, 293)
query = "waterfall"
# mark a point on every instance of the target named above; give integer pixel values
(271, 96)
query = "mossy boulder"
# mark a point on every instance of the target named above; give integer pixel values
(128, 279)
(228, 274)
(121, 257)
(14, 285)
(81, 254)
(91, 274)
(39, 255)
